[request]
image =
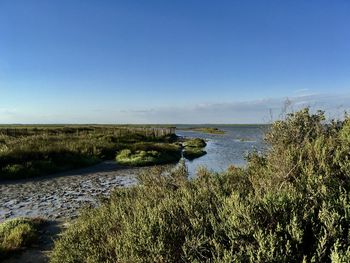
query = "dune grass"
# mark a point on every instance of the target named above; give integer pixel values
(290, 204)
(18, 233)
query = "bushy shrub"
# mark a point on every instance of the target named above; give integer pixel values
(290, 204)
(17, 233)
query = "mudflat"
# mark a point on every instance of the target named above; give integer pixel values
(60, 196)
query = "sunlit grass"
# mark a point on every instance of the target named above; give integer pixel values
(18, 233)
(41, 151)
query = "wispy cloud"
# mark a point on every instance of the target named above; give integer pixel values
(301, 90)
(255, 111)
(8, 111)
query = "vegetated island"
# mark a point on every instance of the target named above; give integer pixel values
(194, 148)
(30, 151)
(210, 130)
(141, 154)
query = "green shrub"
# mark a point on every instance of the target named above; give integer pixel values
(290, 204)
(17, 233)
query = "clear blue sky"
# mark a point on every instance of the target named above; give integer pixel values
(165, 61)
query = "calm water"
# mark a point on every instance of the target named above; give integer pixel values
(226, 149)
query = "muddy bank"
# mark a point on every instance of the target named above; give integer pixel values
(60, 196)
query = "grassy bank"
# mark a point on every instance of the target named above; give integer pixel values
(291, 204)
(34, 151)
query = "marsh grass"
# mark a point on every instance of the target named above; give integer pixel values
(290, 204)
(195, 143)
(193, 153)
(210, 130)
(39, 152)
(141, 154)
(18, 233)
(194, 148)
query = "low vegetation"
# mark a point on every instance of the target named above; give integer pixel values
(193, 153)
(193, 148)
(194, 143)
(210, 130)
(30, 151)
(34, 151)
(141, 154)
(290, 204)
(18, 233)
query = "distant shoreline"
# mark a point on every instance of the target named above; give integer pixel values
(209, 130)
